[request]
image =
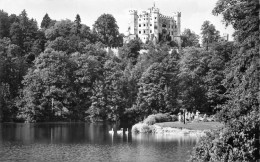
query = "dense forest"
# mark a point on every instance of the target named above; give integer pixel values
(62, 72)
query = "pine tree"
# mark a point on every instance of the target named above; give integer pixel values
(46, 21)
(78, 24)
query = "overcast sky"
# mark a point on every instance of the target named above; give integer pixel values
(194, 12)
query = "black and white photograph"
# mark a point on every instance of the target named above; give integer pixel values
(129, 81)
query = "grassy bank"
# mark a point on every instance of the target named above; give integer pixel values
(192, 125)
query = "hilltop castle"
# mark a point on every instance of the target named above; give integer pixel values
(151, 25)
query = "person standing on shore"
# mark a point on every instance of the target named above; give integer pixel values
(179, 117)
(192, 116)
(197, 114)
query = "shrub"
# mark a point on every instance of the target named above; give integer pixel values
(174, 118)
(142, 128)
(236, 142)
(157, 118)
(150, 120)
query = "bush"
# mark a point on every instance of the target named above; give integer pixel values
(174, 118)
(236, 142)
(142, 128)
(158, 118)
(150, 120)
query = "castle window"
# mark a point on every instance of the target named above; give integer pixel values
(175, 26)
(144, 19)
(172, 32)
(139, 31)
(163, 25)
(151, 31)
(150, 24)
(139, 25)
(154, 17)
(144, 24)
(144, 31)
(155, 27)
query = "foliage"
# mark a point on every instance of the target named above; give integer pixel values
(236, 142)
(46, 21)
(239, 141)
(130, 51)
(47, 87)
(157, 118)
(174, 118)
(142, 128)
(193, 67)
(209, 34)
(107, 30)
(189, 38)
(4, 25)
(62, 72)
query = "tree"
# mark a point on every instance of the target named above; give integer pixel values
(107, 30)
(47, 88)
(189, 38)
(151, 97)
(193, 68)
(130, 51)
(87, 74)
(209, 34)
(77, 24)
(218, 60)
(12, 69)
(23, 32)
(239, 140)
(4, 25)
(46, 21)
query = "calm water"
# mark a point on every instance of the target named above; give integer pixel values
(87, 142)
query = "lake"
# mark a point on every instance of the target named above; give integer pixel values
(79, 142)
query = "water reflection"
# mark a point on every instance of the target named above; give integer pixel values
(91, 141)
(165, 138)
(80, 132)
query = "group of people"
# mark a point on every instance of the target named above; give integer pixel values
(188, 116)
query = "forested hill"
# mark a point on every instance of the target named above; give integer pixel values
(61, 71)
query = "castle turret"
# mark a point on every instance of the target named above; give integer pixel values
(133, 22)
(155, 15)
(177, 16)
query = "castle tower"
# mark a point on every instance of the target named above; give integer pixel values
(133, 21)
(155, 15)
(177, 16)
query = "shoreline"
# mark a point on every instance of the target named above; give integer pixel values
(196, 129)
(178, 131)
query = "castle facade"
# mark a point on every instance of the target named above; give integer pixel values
(151, 25)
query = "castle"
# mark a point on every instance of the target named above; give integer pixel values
(151, 25)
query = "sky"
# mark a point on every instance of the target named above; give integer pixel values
(193, 12)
